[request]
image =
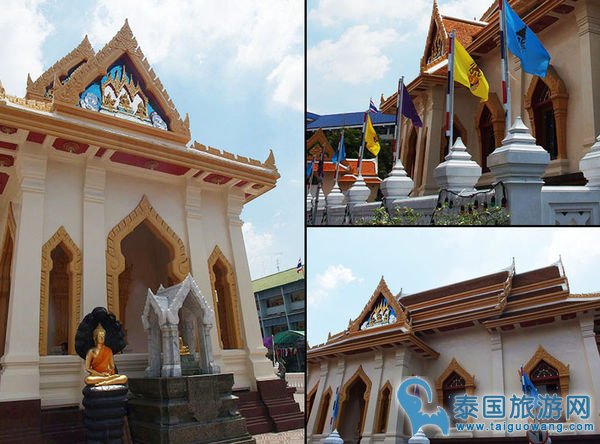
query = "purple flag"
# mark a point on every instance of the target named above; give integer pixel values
(408, 109)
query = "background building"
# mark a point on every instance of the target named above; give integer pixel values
(281, 304)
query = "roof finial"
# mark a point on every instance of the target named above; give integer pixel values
(29, 81)
(270, 162)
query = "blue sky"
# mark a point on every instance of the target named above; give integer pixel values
(235, 67)
(345, 265)
(358, 49)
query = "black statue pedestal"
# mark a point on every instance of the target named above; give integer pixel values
(104, 414)
(186, 410)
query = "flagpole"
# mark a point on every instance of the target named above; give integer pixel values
(506, 96)
(319, 182)
(362, 145)
(399, 105)
(450, 96)
(337, 164)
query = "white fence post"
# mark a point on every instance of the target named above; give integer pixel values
(520, 164)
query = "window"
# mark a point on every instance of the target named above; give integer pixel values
(278, 328)
(298, 326)
(323, 410)
(383, 409)
(297, 296)
(454, 386)
(544, 121)
(488, 141)
(274, 302)
(546, 379)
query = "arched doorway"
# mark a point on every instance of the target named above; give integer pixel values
(354, 400)
(116, 266)
(146, 266)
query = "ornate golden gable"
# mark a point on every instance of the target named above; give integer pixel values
(316, 144)
(37, 90)
(437, 38)
(123, 44)
(381, 290)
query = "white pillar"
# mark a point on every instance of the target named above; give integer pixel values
(20, 379)
(199, 255)
(171, 365)
(376, 375)
(592, 357)
(519, 163)
(397, 418)
(94, 238)
(497, 368)
(259, 365)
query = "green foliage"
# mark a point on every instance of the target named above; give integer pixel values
(442, 217)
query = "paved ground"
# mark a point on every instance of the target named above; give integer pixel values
(291, 437)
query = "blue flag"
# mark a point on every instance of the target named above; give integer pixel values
(525, 45)
(340, 153)
(309, 169)
(527, 385)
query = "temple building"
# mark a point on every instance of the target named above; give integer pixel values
(103, 195)
(469, 338)
(562, 110)
(347, 170)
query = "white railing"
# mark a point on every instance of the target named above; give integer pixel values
(295, 380)
(518, 165)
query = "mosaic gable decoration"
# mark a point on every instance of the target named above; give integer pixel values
(118, 81)
(382, 314)
(119, 93)
(382, 309)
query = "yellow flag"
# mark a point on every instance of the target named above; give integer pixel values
(371, 138)
(467, 73)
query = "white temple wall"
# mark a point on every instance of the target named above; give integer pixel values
(63, 200)
(123, 194)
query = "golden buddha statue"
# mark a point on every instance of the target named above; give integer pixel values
(99, 362)
(183, 349)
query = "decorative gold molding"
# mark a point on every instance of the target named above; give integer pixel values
(378, 419)
(322, 412)
(359, 374)
(123, 44)
(563, 370)
(75, 268)
(37, 90)
(383, 290)
(218, 256)
(179, 267)
(454, 367)
(310, 401)
(560, 101)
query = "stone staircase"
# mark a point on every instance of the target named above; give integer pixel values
(256, 413)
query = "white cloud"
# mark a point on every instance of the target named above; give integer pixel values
(357, 56)
(334, 277)
(287, 82)
(331, 12)
(25, 40)
(466, 9)
(258, 249)
(202, 37)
